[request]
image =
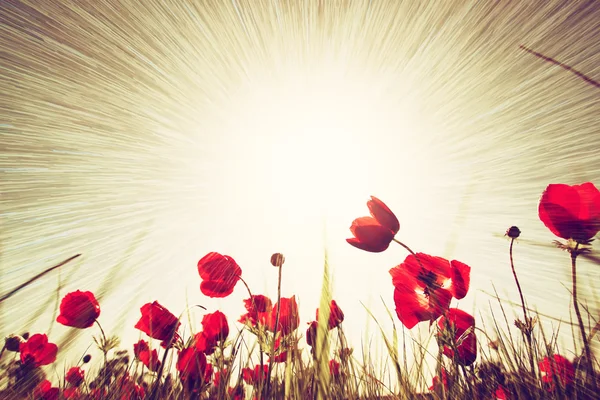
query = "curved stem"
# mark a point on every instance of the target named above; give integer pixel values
(259, 327)
(586, 345)
(409, 250)
(247, 288)
(527, 329)
(103, 341)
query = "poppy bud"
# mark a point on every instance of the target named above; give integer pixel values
(277, 259)
(13, 342)
(513, 232)
(87, 358)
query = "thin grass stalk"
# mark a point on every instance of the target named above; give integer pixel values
(586, 345)
(275, 329)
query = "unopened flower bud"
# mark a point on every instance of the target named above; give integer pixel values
(13, 342)
(87, 358)
(513, 232)
(277, 259)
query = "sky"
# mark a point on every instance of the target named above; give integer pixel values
(144, 135)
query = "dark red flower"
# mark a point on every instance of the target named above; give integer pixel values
(72, 393)
(204, 343)
(436, 381)
(571, 212)
(13, 342)
(559, 367)
(259, 310)
(334, 368)
(129, 389)
(462, 325)
(221, 377)
(280, 351)
(158, 322)
(142, 352)
(193, 369)
(236, 393)
(374, 233)
(289, 318)
(424, 292)
(215, 326)
(501, 393)
(311, 333)
(79, 310)
(75, 376)
(336, 316)
(45, 391)
(37, 351)
(219, 274)
(256, 375)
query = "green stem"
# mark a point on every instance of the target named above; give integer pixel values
(409, 250)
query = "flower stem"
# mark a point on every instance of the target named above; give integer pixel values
(586, 345)
(527, 329)
(274, 331)
(409, 250)
(259, 327)
(103, 341)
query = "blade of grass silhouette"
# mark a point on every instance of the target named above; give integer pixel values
(391, 350)
(35, 278)
(42, 309)
(500, 299)
(405, 385)
(322, 342)
(563, 66)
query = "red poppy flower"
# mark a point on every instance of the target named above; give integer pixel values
(571, 212)
(311, 333)
(215, 326)
(336, 316)
(334, 368)
(501, 393)
(256, 375)
(75, 376)
(193, 369)
(158, 322)
(281, 352)
(289, 318)
(38, 351)
(465, 342)
(220, 376)
(559, 367)
(259, 310)
(424, 292)
(374, 233)
(129, 389)
(142, 352)
(436, 380)
(236, 393)
(45, 391)
(79, 310)
(72, 393)
(204, 343)
(219, 274)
